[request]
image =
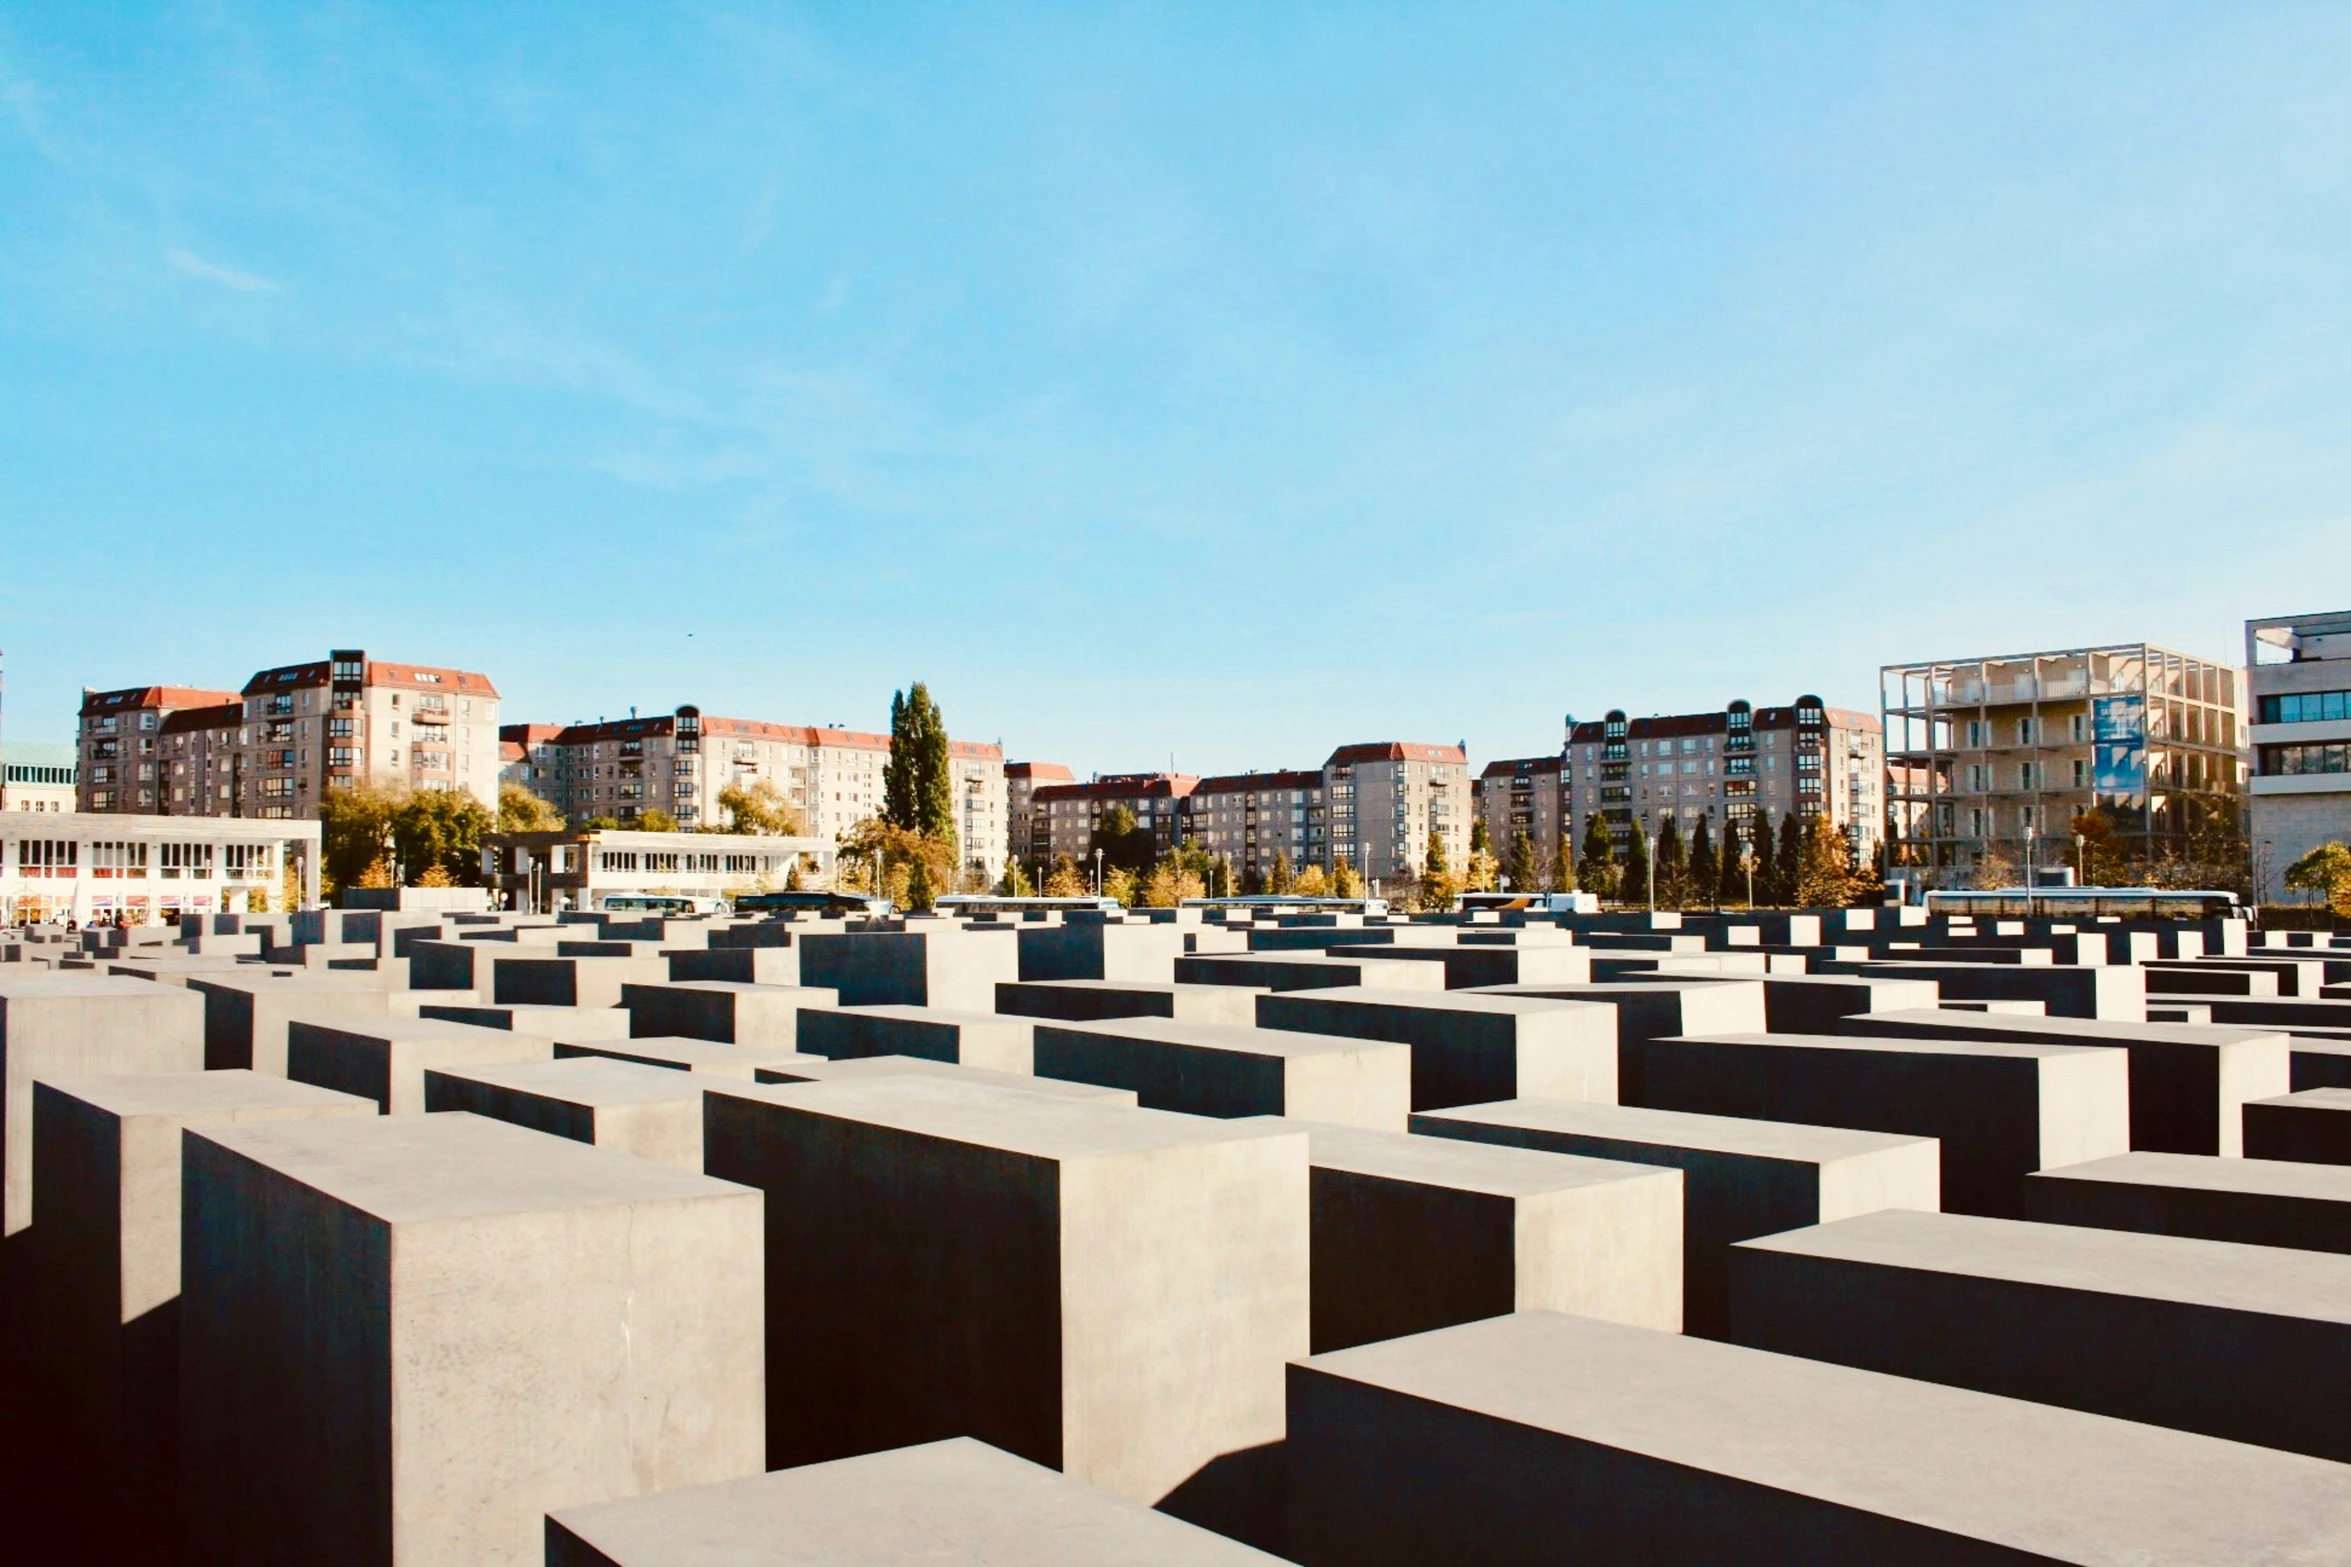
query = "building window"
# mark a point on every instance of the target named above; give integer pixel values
(2305, 707)
(2027, 731)
(2289, 761)
(2081, 772)
(2079, 726)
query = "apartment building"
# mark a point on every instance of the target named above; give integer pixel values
(198, 756)
(348, 719)
(117, 744)
(1383, 800)
(526, 758)
(37, 776)
(1030, 842)
(1073, 812)
(1251, 819)
(1527, 794)
(1806, 760)
(1994, 757)
(2299, 795)
(681, 762)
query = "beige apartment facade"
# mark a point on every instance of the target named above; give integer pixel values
(1030, 840)
(1804, 760)
(1072, 813)
(119, 747)
(38, 776)
(199, 760)
(1530, 795)
(681, 762)
(2298, 668)
(349, 719)
(1383, 800)
(1990, 759)
(1252, 820)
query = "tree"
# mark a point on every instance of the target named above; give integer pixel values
(1705, 867)
(1346, 880)
(1520, 868)
(1279, 881)
(1764, 861)
(655, 819)
(1480, 842)
(918, 781)
(1596, 867)
(1481, 873)
(443, 827)
(792, 882)
(519, 810)
(378, 875)
(1633, 881)
(355, 833)
(1673, 864)
(759, 811)
(1993, 869)
(1313, 882)
(2325, 870)
(919, 895)
(1787, 867)
(1825, 878)
(1125, 843)
(1015, 883)
(1120, 883)
(435, 876)
(898, 851)
(1437, 885)
(1065, 880)
(1175, 878)
(1563, 869)
(1731, 885)
(2103, 862)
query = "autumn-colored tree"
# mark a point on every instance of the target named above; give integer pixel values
(444, 828)
(1313, 882)
(1562, 869)
(519, 810)
(1825, 879)
(355, 833)
(759, 810)
(1066, 880)
(655, 819)
(1438, 887)
(1346, 880)
(1122, 884)
(1280, 881)
(1015, 882)
(2326, 871)
(435, 875)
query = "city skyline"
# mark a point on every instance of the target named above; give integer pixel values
(1262, 378)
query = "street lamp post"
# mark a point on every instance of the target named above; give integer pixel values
(1097, 873)
(1649, 859)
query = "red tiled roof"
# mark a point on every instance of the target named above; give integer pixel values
(1525, 764)
(174, 697)
(1397, 751)
(188, 720)
(1039, 772)
(414, 677)
(1251, 783)
(1122, 786)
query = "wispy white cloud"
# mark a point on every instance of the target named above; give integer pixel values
(213, 272)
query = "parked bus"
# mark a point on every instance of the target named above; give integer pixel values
(2088, 903)
(832, 905)
(660, 903)
(990, 903)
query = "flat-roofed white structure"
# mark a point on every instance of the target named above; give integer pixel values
(579, 870)
(84, 865)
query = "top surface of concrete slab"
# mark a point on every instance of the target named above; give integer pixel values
(1680, 1129)
(816, 1069)
(687, 1052)
(1220, 1036)
(2009, 1049)
(197, 1093)
(2268, 1280)
(2027, 1027)
(2312, 1099)
(2215, 1173)
(2057, 1482)
(583, 1080)
(959, 1503)
(1455, 1163)
(400, 1030)
(1518, 1001)
(409, 1169)
(944, 1017)
(987, 1116)
(1607, 989)
(49, 986)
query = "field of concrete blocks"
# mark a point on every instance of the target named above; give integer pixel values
(360, 1237)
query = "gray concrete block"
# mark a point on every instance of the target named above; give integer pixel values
(816, 1069)
(1143, 953)
(986, 1039)
(1091, 1000)
(2310, 1127)
(2257, 1202)
(1212, 1069)
(649, 1112)
(172, 970)
(406, 1339)
(1306, 971)
(2189, 1082)
(1530, 1437)
(765, 1016)
(2116, 995)
(2299, 1013)
(2246, 1343)
(385, 1060)
(1812, 1003)
(79, 1026)
(2000, 1110)
(957, 1503)
(738, 965)
(106, 1284)
(1468, 1047)
(1652, 1008)
(938, 968)
(741, 1062)
(1413, 1233)
(246, 1015)
(558, 1023)
(2319, 1062)
(1469, 966)
(1109, 1291)
(544, 981)
(455, 964)
(1741, 1178)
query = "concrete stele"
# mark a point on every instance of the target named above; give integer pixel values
(2256, 1202)
(491, 1322)
(386, 1061)
(649, 1112)
(1469, 1047)
(1213, 1070)
(984, 1039)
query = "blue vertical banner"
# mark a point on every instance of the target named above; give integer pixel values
(2119, 731)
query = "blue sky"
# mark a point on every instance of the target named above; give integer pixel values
(1223, 381)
